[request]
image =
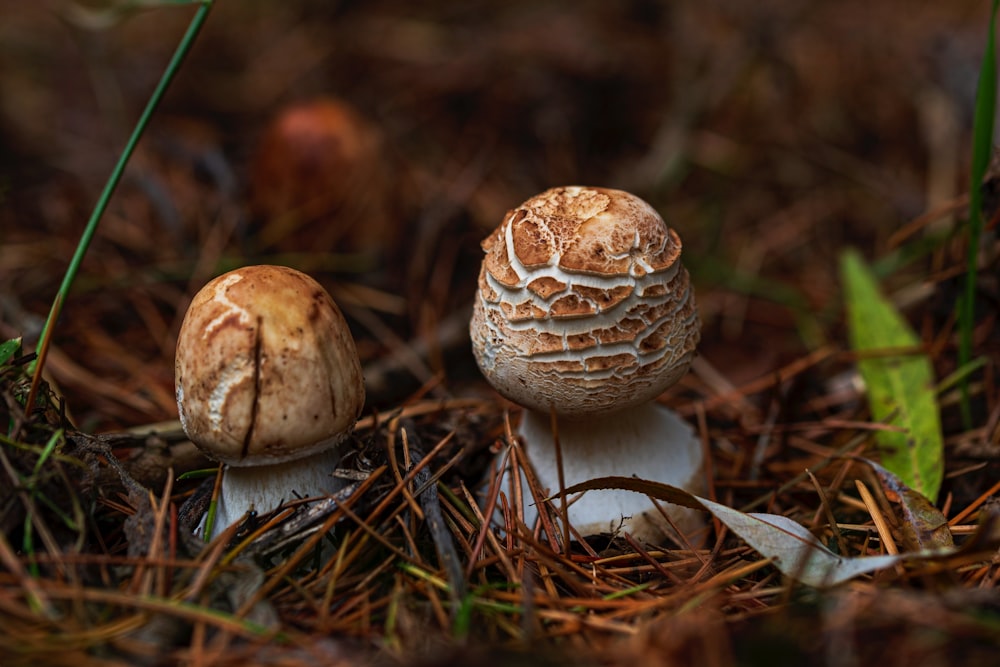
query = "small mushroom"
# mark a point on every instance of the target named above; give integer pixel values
(269, 383)
(585, 311)
(319, 178)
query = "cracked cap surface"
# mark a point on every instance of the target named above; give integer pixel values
(583, 305)
(266, 369)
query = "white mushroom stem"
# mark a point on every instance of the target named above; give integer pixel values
(263, 488)
(647, 441)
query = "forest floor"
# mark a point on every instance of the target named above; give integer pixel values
(771, 136)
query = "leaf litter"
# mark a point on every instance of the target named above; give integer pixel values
(97, 564)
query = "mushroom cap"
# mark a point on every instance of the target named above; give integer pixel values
(319, 178)
(583, 305)
(266, 369)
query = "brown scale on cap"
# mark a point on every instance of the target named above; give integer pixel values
(590, 230)
(583, 306)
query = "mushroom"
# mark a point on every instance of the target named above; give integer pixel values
(585, 311)
(269, 383)
(319, 177)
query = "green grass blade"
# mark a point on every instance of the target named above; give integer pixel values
(28, 538)
(900, 386)
(982, 147)
(109, 188)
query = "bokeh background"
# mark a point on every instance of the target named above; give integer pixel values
(771, 135)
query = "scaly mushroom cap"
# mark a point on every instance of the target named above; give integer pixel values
(266, 369)
(583, 306)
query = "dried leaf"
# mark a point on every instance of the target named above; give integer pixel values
(923, 524)
(665, 492)
(794, 550)
(900, 386)
(986, 540)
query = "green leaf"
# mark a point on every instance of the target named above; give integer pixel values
(900, 385)
(8, 349)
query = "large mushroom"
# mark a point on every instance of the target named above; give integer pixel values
(585, 311)
(269, 383)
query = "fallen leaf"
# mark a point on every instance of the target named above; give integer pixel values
(923, 525)
(795, 551)
(8, 349)
(900, 386)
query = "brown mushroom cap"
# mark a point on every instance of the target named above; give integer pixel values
(266, 368)
(583, 306)
(319, 178)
